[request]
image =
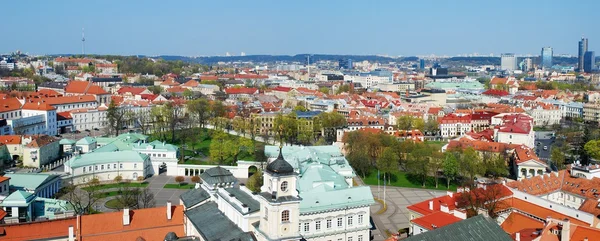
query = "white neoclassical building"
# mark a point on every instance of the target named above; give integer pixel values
(105, 166)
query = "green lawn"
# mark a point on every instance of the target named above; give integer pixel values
(118, 185)
(107, 194)
(182, 186)
(437, 144)
(401, 179)
(113, 204)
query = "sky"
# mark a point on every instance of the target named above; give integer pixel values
(383, 27)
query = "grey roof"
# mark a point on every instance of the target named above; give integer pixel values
(269, 196)
(217, 175)
(245, 198)
(280, 166)
(472, 229)
(193, 197)
(212, 224)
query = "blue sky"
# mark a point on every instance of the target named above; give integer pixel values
(395, 27)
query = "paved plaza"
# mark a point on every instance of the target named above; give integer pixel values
(396, 216)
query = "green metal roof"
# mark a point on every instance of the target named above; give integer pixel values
(471, 229)
(17, 198)
(66, 142)
(29, 181)
(86, 141)
(323, 171)
(94, 158)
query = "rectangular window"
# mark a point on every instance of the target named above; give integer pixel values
(317, 225)
(101, 167)
(134, 165)
(107, 166)
(360, 219)
(121, 165)
(306, 227)
(340, 222)
(350, 238)
(96, 168)
(266, 214)
(349, 220)
(360, 237)
(329, 223)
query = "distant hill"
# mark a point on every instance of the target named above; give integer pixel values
(299, 58)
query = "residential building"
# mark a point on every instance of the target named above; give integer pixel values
(40, 150)
(591, 112)
(78, 88)
(508, 62)
(105, 166)
(89, 118)
(544, 114)
(514, 129)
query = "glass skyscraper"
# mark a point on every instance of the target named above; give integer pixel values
(583, 47)
(589, 62)
(546, 57)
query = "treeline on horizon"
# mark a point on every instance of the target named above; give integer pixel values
(302, 59)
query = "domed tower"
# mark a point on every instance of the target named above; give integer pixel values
(279, 202)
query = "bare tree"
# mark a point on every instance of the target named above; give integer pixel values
(146, 198)
(82, 199)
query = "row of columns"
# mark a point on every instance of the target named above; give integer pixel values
(193, 172)
(49, 190)
(56, 163)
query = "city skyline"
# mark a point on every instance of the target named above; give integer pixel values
(215, 28)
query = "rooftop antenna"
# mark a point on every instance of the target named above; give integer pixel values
(83, 41)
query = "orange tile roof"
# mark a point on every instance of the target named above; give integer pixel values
(9, 104)
(69, 99)
(10, 139)
(38, 106)
(149, 223)
(191, 83)
(84, 87)
(435, 220)
(517, 221)
(3, 178)
(40, 141)
(38, 230)
(423, 207)
(539, 211)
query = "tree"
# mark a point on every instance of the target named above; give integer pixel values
(179, 179)
(156, 89)
(218, 150)
(187, 93)
(418, 162)
(118, 179)
(419, 124)
(324, 90)
(558, 157)
(436, 162)
(115, 117)
(195, 179)
(470, 163)
(83, 200)
(404, 122)
(128, 197)
(387, 162)
(495, 164)
(255, 181)
(329, 122)
(146, 198)
(476, 199)
(300, 108)
(432, 127)
(359, 160)
(450, 167)
(592, 149)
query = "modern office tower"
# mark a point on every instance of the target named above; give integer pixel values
(589, 61)
(421, 64)
(508, 62)
(546, 57)
(345, 64)
(583, 47)
(526, 64)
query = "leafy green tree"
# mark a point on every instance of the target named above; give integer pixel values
(329, 122)
(324, 90)
(419, 162)
(387, 162)
(300, 108)
(155, 89)
(359, 160)
(419, 124)
(432, 127)
(450, 167)
(218, 149)
(255, 181)
(470, 163)
(558, 157)
(115, 117)
(188, 94)
(405, 123)
(592, 148)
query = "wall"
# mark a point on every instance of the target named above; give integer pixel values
(127, 171)
(240, 171)
(571, 212)
(336, 232)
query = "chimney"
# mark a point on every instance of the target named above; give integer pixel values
(169, 214)
(517, 236)
(565, 234)
(125, 216)
(71, 233)
(430, 204)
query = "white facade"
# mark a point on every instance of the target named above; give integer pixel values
(516, 138)
(107, 171)
(545, 117)
(89, 119)
(508, 62)
(49, 116)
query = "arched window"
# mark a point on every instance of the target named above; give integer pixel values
(284, 186)
(285, 216)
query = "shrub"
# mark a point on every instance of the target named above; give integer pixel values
(179, 179)
(196, 179)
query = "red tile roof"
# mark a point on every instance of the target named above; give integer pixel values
(132, 90)
(149, 223)
(517, 221)
(243, 90)
(38, 106)
(2, 179)
(435, 220)
(69, 99)
(58, 228)
(282, 89)
(191, 83)
(423, 207)
(495, 92)
(9, 104)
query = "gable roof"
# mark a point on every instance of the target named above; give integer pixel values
(475, 228)
(40, 230)
(84, 87)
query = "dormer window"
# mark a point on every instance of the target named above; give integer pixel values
(284, 186)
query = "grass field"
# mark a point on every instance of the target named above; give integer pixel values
(401, 179)
(114, 204)
(182, 186)
(118, 185)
